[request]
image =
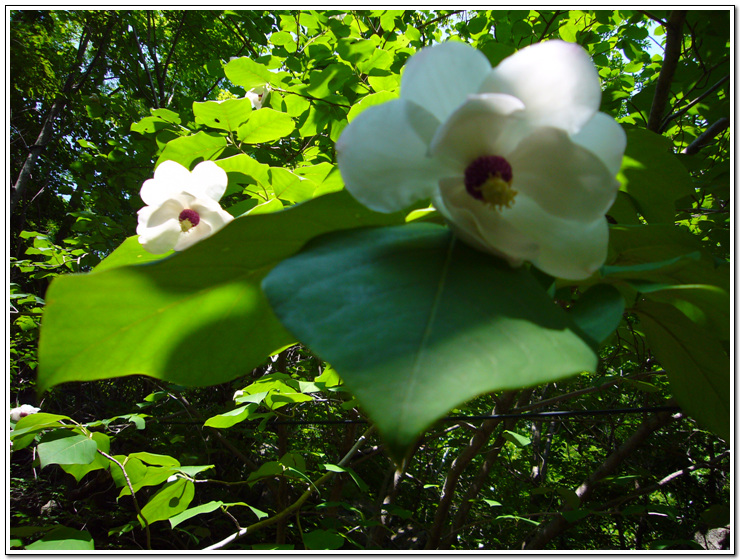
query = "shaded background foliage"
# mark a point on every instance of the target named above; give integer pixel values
(95, 97)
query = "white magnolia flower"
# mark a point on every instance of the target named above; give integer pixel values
(22, 411)
(258, 96)
(517, 158)
(182, 207)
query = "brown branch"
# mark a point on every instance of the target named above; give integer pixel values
(47, 128)
(693, 102)
(674, 38)
(707, 136)
(479, 439)
(545, 533)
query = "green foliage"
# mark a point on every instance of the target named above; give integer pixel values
(428, 337)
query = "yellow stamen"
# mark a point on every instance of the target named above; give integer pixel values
(497, 192)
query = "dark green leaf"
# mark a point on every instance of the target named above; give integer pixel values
(416, 323)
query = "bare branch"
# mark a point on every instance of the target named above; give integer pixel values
(705, 137)
(674, 36)
(545, 533)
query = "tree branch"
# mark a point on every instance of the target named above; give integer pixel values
(705, 137)
(295, 506)
(546, 533)
(674, 36)
(479, 439)
(693, 102)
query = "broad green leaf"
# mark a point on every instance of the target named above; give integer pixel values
(192, 512)
(320, 539)
(598, 312)
(653, 176)
(188, 315)
(64, 447)
(99, 462)
(172, 499)
(265, 125)
(369, 101)
(135, 471)
(63, 538)
(417, 323)
(247, 73)
(156, 459)
(223, 115)
(697, 367)
(231, 418)
(28, 427)
(289, 186)
(128, 252)
(198, 147)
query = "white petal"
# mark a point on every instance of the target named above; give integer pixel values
(557, 81)
(564, 178)
(567, 249)
(489, 124)
(382, 157)
(439, 78)
(482, 226)
(169, 179)
(211, 213)
(603, 136)
(208, 179)
(161, 238)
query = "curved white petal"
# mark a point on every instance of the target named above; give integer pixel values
(192, 236)
(568, 249)
(439, 78)
(208, 179)
(489, 124)
(212, 214)
(563, 178)
(160, 238)
(557, 81)
(603, 136)
(382, 158)
(169, 179)
(484, 227)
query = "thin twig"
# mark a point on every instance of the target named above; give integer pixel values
(133, 496)
(298, 503)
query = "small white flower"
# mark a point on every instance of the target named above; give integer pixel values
(173, 478)
(258, 96)
(238, 394)
(182, 207)
(22, 411)
(517, 158)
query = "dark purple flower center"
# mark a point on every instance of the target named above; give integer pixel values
(189, 219)
(488, 178)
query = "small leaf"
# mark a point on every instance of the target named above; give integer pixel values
(223, 115)
(517, 439)
(598, 312)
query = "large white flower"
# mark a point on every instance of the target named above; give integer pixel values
(517, 158)
(258, 96)
(22, 411)
(182, 207)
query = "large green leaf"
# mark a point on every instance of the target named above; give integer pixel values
(190, 149)
(64, 447)
(698, 369)
(417, 323)
(227, 114)
(265, 125)
(173, 498)
(247, 73)
(63, 538)
(653, 176)
(195, 318)
(99, 462)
